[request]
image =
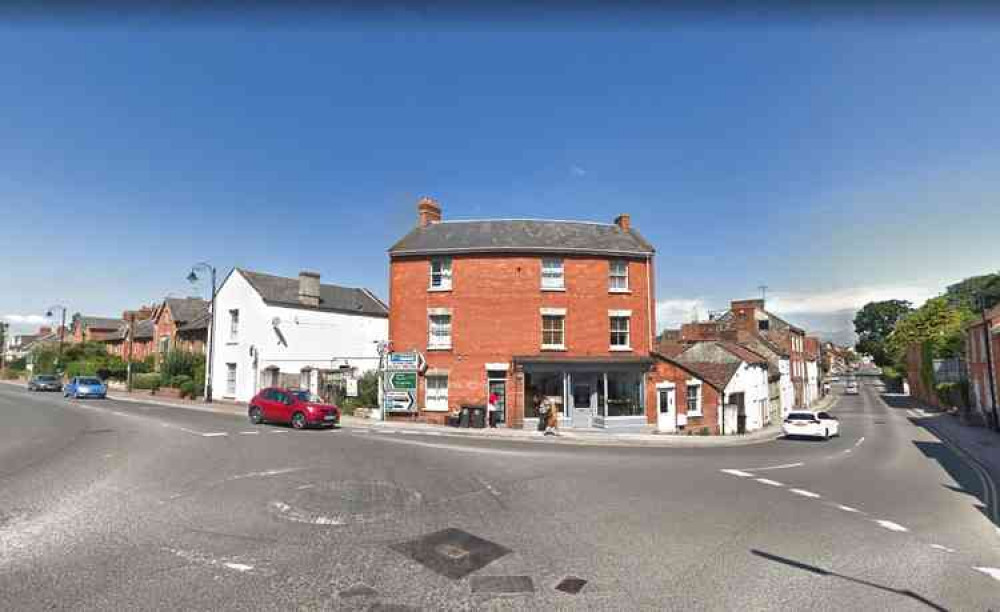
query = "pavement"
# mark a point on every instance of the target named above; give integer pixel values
(132, 505)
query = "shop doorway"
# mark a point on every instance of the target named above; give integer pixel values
(497, 385)
(584, 398)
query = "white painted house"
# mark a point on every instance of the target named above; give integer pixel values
(743, 376)
(812, 382)
(277, 331)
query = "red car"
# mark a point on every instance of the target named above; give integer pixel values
(299, 408)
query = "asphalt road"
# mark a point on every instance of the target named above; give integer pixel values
(110, 505)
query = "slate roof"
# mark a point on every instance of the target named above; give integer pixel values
(706, 374)
(281, 291)
(100, 322)
(145, 329)
(198, 323)
(185, 309)
(717, 362)
(522, 235)
(744, 353)
(716, 374)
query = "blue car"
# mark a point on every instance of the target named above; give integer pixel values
(85, 386)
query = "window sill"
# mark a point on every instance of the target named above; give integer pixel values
(619, 291)
(553, 347)
(439, 348)
(230, 343)
(620, 349)
(556, 289)
(438, 289)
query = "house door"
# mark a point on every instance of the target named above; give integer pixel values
(584, 399)
(666, 404)
(741, 412)
(498, 387)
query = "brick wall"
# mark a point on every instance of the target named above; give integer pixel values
(496, 302)
(665, 371)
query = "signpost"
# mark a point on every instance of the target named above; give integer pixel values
(398, 401)
(403, 381)
(400, 377)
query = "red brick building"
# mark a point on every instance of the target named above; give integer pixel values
(982, 345)
(92, 329)
(522, 307)
(180, 324)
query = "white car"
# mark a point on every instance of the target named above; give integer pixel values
(851, 389)
(811, 424)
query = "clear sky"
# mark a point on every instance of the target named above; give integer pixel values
(832, 160)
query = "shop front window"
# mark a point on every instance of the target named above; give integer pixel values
(624, 396)
(545, 385)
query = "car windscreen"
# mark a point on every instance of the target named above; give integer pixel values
(45, 378)
(306, 396)
(88, 381)
(800, 416)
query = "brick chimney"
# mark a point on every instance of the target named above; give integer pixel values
(428, 211)
(309, 288)
(44, 331)
(624, 221)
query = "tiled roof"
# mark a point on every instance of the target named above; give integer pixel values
(186, 309)
(716, 374)
(198, 323)
(281, 291)
(744, 353)
(100, 322)
(522, 235)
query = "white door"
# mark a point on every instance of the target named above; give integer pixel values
(666, 419)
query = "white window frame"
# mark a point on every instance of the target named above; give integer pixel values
(554, 313)
(443, 274)
(435, 341)
(627, 317)
(234, 325)
(230, 380)
(433, 392)
(614, 276)
(553, 274)
(699, 399)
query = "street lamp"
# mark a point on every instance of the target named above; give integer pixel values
(62, 329)
(193, 278)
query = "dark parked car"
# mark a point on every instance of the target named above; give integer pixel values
(296, 407)
(44, 382)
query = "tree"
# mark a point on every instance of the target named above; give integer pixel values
(938, 325)
(975, 292)
(873, 324)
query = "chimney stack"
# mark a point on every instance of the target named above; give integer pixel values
(44, 331)
(309, 288)
(624, 221)
(428, 211)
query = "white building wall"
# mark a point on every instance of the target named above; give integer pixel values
(308, 338)
(787, 387)
(752, 382)
(812, 383)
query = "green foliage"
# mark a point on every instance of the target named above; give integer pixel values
(149, 363)
(146, 381)
(953, 393)
(187, 388)
(18, 364)
(368, 389)
(82, 368)
(178, 381)
(975, 292)
(14, 373)
(938, 323)
(874, 323)
(179, 363)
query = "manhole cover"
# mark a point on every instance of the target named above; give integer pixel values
(502, 584)
(451, 552)
(571, 585)
(343, 502)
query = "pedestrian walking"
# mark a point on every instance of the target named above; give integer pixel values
(541, 409)
(491, 408)
(552, 419)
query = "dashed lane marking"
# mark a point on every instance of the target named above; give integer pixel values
(214, 434)
(891, 526)
(805, 493)
(859, 442)
(240, 567)
(847, 508)
(739, 473)
(992, 572)
(783, 466)
(249, 433)
(773, 483)
(944, 548)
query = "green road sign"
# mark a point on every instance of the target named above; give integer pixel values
(403, 381)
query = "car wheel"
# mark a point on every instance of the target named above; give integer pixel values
(826, 434)
(256, 416)
(299, 420)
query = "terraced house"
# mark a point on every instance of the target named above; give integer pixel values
(517, 308)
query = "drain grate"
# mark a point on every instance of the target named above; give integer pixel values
(571, 585)
(451, 552)
(502, 584)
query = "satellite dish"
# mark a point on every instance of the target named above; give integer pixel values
(276, 321)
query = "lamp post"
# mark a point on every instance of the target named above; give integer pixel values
(193, 278)
(62, 329)
(990, 374)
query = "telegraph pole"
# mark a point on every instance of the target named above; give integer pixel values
(128, 363)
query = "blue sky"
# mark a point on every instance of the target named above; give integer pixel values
(831, 161)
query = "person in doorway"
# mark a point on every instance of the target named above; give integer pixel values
(551, 418)
(491, 409)
(540, 410)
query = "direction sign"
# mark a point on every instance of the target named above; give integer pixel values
(404, 362)
(403, 381)
(398, 401)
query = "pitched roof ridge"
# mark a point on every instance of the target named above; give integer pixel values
(295, 279)
(530, 219)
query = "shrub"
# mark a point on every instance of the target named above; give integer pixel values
(179, 381)
(953, 393)
(12, 374)
(187, 388)
(146, 381)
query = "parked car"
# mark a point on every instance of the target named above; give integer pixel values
(44, 382)
(296, 407)
(851, 388)
(85, 386)
(811, 424)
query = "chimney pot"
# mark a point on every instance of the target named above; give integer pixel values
(309, 288)
(624, 221)
(428, 211)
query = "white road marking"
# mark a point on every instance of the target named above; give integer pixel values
(214, 434)
(858, 443)
(278, 431)
(846, 508)
(240, 567)
(773, 483)
(992, 572)
(264, 473)
(804, 493)
(944, 548)
(196, 557)
(249, 433)
(489, 487)
(739, 473)
(292, 514)
(891, 526)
